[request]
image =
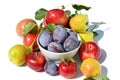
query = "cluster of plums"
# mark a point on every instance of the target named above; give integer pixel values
(60, 40)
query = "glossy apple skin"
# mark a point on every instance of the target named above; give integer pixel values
(36, 61)
(68, 70)
(89, 50)
(56, 16)
(21, 25)
(28, 40)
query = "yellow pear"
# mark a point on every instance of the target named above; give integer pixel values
(79, 23)
(87, 36)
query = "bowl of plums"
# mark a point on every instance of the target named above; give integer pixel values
(60, 42)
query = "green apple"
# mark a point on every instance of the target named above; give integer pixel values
(17, 54)
(87, 36)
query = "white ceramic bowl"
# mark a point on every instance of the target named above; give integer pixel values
(56, 56)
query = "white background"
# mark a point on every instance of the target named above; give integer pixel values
(12, 11)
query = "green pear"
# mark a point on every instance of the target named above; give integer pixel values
(17, 54)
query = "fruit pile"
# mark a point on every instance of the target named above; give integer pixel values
(63, 40)
(60, 40)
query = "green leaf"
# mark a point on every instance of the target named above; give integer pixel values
(39, 14)
(95, 33)
(51, 27)
(28, 27)
(80, 7)
(89, 79)
(68, 12)
(106, 78)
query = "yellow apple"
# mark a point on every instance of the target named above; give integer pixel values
(79, 23)
(17, 54)
(87, 36)
(90, 68)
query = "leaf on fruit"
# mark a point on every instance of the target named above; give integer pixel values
(106, 78)
(28, 28)
(89, 79)
(51, 27)
(80, 7)
(95, 33)
(68, 12)
(39, 14)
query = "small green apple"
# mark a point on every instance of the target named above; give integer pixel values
(17, 54)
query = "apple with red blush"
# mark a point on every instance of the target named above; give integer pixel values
(56, 16)
(36, 61)
(89, 50)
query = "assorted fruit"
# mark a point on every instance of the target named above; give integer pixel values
(60, 40)
(59, 31)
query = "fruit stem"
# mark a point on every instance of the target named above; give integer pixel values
(89, 48)
(72, 60)
(62, 59)
(63, 7)
(36, 55)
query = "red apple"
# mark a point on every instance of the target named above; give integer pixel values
(68, 69)
(56, 16)
(29, 39)
(36, 61)
(89, 50)
(22, 24)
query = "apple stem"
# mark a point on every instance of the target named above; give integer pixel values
(36, 55)
(63, 7)
(89, 48)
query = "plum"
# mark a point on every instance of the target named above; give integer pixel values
(45, 38)
(60, 34)
(55, 47)
(74, 35)
(70, 44)
(51, 68)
